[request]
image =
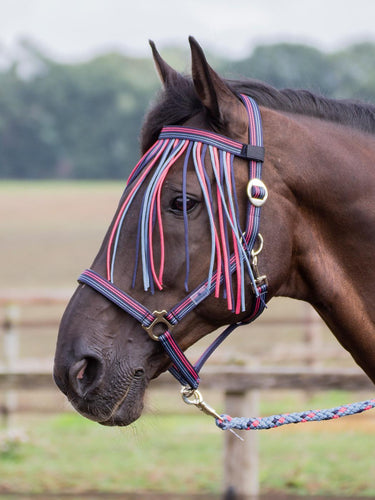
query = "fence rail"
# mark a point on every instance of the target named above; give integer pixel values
(240, 384)
(224, 378)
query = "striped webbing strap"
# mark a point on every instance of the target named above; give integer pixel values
(181, 368)
(246, 151)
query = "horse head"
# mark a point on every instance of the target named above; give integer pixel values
(181, 230)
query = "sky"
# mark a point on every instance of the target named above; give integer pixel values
(76, 30)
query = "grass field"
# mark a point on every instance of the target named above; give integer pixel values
(49, 233)
(183, 453)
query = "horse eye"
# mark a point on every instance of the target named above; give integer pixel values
(177, 205)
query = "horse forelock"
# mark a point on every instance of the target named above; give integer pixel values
(172, 106)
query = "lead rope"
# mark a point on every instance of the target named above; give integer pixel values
(226, 422)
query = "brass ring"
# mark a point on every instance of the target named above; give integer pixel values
(257, 202)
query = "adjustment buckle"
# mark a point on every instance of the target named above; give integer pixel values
(159, 318)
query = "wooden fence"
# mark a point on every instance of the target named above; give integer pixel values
(240, 385)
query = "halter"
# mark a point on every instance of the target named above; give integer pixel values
(173, 142)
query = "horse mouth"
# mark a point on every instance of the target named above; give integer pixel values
(126, 409)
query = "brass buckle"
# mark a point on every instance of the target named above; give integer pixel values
(160, 318)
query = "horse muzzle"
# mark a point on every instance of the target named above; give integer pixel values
(110, 395)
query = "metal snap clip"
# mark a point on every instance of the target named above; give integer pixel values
(194, 397)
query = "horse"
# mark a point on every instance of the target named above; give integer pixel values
(256, 191)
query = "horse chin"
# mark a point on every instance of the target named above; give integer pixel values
(125, 414)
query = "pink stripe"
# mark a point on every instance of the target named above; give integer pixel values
(257, 305)
(124, 205)
(140, 161)
(180, 354)
(217, 243)
(162, 260)
(156, 200)
(252, 126)
(161, 233)
(235, 244)
(249, 229)
(222, 233)
(118, 293)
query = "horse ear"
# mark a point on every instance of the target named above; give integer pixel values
(215, 95)
(168, 75)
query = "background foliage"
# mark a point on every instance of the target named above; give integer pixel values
(82, 120)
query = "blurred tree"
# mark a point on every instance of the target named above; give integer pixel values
(83, 120)
(356, 72)
(290, 66)
(77, 121)
(285, 65)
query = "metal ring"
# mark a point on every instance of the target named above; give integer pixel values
(256, 252)
(159, 318)
(187, 392)
(257, 202)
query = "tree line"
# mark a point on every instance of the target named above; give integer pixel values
(82, 120)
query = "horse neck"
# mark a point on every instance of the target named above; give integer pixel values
(329, 179)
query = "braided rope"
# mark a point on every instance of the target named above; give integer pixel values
(227, 422)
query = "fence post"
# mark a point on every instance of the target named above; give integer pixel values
(11, 351)
(241, 460)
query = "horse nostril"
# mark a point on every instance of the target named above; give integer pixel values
(82, 365)
(84, 375)
(139, 373)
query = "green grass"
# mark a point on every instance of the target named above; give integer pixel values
(183, 454)
(318, 463)
(69, 454)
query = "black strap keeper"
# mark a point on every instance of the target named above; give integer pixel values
(252, 152)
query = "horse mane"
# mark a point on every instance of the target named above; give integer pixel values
(175, 105)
